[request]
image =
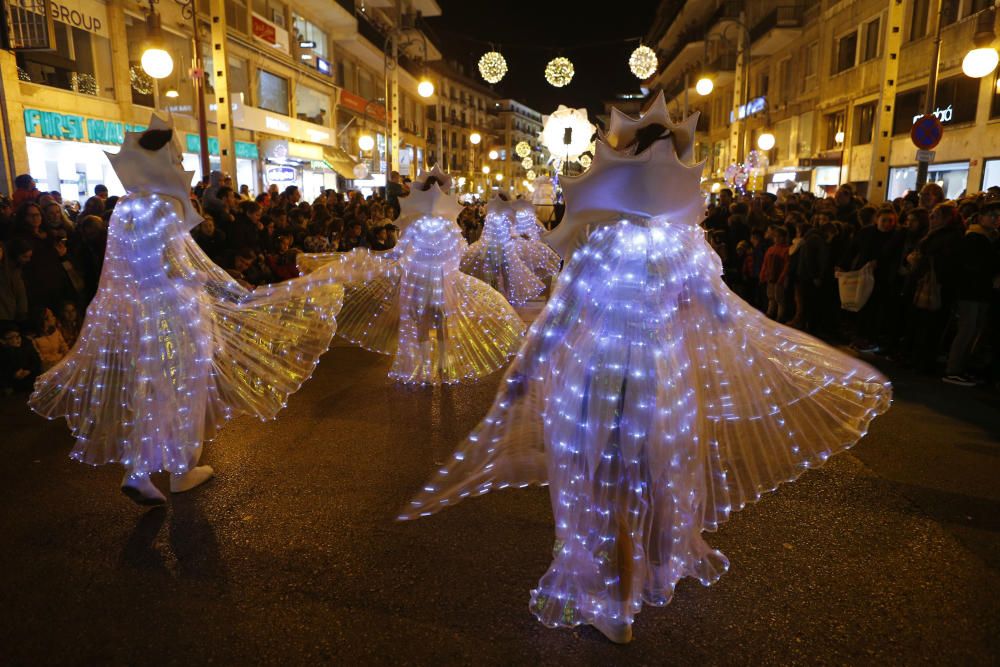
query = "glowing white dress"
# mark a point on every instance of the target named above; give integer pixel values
(172, 346)
(495, 258)
(539, 257)
(651, 399)
(412, 302)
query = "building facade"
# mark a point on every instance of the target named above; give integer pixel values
(838, 83)
(517, 122)
(295, 75)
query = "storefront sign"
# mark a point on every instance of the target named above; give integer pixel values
(361, 105)
(756, 105)
(264, 30)
(52, 125)
(258, 120)
(279, 174)
(324, 66)
(83, 14)
(944, 115)
(244, 149)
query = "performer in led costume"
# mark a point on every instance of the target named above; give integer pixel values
(172, 346)
(495, 259)
(651, 399)
(412, 302)
(539, 257)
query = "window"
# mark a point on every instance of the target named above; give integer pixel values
(272, 92)
(908, 105)
(306, 31)
(847, 52)
(870, 49)
(311, 105)
(805, 145)
(918, 19)
(995, 103)
(864, 123)
(834, 125)
(239, 80)
(366, 85)
(80, 60)
(810, 58)
(956, 99)
(785, 79)
(237, 15)
(271, 10)
(977, 6)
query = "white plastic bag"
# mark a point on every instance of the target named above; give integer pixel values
(856, 287)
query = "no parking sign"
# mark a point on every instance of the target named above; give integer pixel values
(926, 132)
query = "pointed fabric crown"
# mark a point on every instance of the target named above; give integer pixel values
(656, 182)
(431, 202)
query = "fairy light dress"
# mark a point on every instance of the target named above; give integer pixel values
(651, 399)
(171, 346)
(495, 258)
(540, 258)
(412, 302)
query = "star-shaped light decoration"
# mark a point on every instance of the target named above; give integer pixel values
(554, 132)
(434, 201)
(659, 181)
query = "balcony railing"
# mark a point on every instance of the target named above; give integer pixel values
(785, 16)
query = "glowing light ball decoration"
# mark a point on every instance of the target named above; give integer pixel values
(527, 163)
(585, 161)
(643, 62)
(559, 72)
(492, 66)
(531, 175)
(523, 149)
(567, 123)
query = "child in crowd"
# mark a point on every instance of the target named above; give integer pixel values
(19, 362)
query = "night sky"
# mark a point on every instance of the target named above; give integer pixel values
(523, 31)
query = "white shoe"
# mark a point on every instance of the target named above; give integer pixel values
(141, 490)
(190, 479)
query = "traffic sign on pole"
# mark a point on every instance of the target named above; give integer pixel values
(925, 156)
(926, 132)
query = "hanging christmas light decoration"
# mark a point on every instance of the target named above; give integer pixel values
(584, 161)
(523, 149)
(527, 163)
(559, 72)
(643, 62)
(492, 66)
(141, 82)
(83, 83)
(530, 175)
(23, 75)
(566, 133)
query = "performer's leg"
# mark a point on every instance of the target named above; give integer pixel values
(195, 475)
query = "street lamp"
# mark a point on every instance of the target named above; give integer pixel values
(493, 154)
(983, 59)
(366, 142)
(705, 86)
(765, 142)
(499, 177)
(486, 170)
(156, 60)
(425, 88)
(839, 137)
(475, 138)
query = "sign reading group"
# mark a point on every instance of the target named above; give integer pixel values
(52, 125)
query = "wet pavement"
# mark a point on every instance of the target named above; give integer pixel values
(887, 555)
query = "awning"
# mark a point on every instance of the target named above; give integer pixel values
(339, 160)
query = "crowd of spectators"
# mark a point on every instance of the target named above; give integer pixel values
(51, 253)
(935, 303)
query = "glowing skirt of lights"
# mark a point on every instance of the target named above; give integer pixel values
(543, 261)
(172, 346)
(440, 325)
(495, 260)
(654, 402)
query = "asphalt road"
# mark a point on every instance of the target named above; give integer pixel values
(888, 555)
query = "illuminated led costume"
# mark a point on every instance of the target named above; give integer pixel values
(495, 259)
(539, 257)
(651, 399)
(172, 346)
(412, 302)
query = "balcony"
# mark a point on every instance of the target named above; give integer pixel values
(776, 30)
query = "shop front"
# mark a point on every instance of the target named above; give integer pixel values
(247, 157)
(953, 177)
(67, 152)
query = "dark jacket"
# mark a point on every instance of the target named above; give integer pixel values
(884, 248)
(13, 359)
(814, 258)
(977, 262)
(940, 248)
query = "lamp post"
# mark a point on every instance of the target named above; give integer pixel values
(705, 85)
(474, 139)
(155, 59)
(982, 60)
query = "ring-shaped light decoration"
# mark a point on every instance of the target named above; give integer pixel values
(530, 175)
(527, 163)
(554, 133)
(492, 66)
(559, 72)
(523, 149)
(643, 62)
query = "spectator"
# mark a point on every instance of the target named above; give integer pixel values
(6, 218)
(978, 264)
(19, 362)
(353, 236)
(380, 238)
(101, 191)
(248, 270)
(317, 239)
(244, 230)
(245, 193)
(70, 322)
(24, 191)
(210, 239)
(13, 297)
(282, 261)
(775, 260)
(93, 206)
(881, 245)
(48, 340)
(814, 272)
(393, 190)
(88, 255)
(930, 196)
